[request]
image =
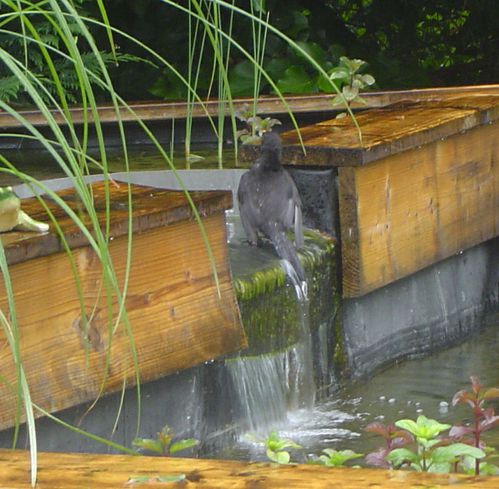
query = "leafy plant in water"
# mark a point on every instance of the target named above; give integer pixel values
(336, 458)
(433, 454)
(347, 76)
(484, 419)
(275, 447)
(394, 438)
(164, 444)
(256, 125)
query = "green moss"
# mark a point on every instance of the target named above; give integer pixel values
(268, 304)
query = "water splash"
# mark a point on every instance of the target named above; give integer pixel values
(270, 386)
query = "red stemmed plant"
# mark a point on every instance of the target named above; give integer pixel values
(394, 438)
(484, 418)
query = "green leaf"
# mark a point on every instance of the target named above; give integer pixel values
(350, 93)
(183, 445)
(352, 65)
(400, 456)
(440, 468)
(314, 50)
(339, 73)
(488, 469)
(276, 67)
(242, 78)
(138, 479)
(148, 444)
(295, 80)
(368, 79)
(337, 458)
(423, 427)
(170, 478)
(281, 457)
(338, 100)
(451, 452)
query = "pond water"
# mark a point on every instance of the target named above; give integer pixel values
(416, 386)
(41, 165)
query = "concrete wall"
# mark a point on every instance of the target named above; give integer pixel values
(429, 310)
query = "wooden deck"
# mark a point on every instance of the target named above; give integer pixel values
(173, 307)
(67, 471)
(422, 185)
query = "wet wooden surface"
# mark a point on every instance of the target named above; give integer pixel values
(418, 207)
(72, 352)
(158, 110)
(67, 471)
(422, 184)
(385, 131)
(151, 208)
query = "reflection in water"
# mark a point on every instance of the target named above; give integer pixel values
(41, 165)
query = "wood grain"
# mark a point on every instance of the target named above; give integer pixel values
(387, 131)
(175, 313)
(151, 208)
(415, 208)
(160, 111)
(67, 471)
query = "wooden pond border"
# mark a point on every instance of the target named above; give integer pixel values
(421, 185)
(178, 317)
(91, 471)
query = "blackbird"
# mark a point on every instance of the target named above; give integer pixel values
(269, 203)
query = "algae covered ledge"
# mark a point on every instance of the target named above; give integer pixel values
(273, 317)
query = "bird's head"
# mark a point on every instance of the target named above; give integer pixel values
(271, 149)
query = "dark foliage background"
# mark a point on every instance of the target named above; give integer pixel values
(407, 44)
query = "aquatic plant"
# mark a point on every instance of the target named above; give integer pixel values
(484, 419)
(432, 454)
(336, 458)
(275, 448)
(347, 76)
(163, 444)
(255, 125)
(394, 438)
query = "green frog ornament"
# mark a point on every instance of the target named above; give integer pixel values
(12, 218)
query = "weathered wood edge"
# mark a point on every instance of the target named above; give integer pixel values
(22, 246)
(159, 110)
(349, 231)
(359, 154)
(76, 470)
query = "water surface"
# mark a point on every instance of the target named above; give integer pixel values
(418, 386)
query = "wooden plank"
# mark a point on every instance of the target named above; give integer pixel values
(160, 110)
(386, 131)
(409, 210)
(150, 208)
(176, 315)
(67, 471)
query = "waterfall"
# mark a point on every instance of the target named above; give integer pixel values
(269, 386)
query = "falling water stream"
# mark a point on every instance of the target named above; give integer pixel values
(423, 385)
(416, 386)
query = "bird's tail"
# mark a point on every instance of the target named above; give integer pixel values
(286, 250)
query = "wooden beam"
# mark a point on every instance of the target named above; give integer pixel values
(385, 131)
(166, 110)
(90, 471)
(411, 209)
(177, 316)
